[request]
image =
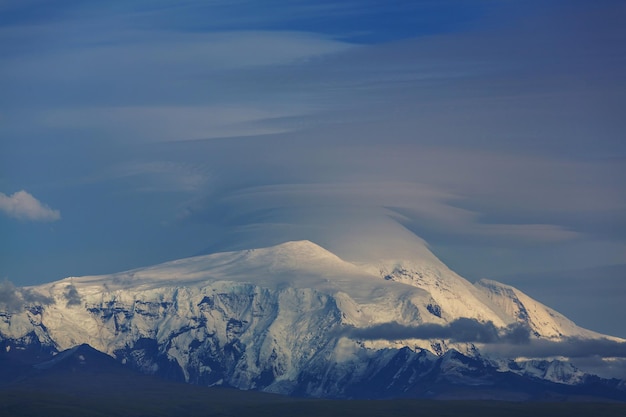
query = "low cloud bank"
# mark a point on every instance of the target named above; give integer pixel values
(462, 330)
(13, 299)
(512, 341)
(571, 347)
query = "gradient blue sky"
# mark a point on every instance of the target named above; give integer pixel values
(137, 132)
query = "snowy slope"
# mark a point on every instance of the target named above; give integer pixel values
(276, 318)
(542, 320)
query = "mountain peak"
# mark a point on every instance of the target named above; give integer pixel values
(273, 318)
(81, 357)
(300, 245)
(295, 250)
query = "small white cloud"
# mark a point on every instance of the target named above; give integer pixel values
(23, 206)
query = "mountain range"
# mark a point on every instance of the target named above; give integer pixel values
(296, 319)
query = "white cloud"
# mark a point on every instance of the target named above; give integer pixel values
(23, 206)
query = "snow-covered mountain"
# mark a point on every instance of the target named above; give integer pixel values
(297, 319)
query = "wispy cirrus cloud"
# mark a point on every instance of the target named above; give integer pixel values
(23, 206)
(172, 123)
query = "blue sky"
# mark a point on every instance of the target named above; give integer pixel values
(142, 131)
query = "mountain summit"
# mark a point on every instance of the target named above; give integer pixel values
(297, 319)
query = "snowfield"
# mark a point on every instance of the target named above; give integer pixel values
(282, 319)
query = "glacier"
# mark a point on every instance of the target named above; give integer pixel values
(281, 319)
